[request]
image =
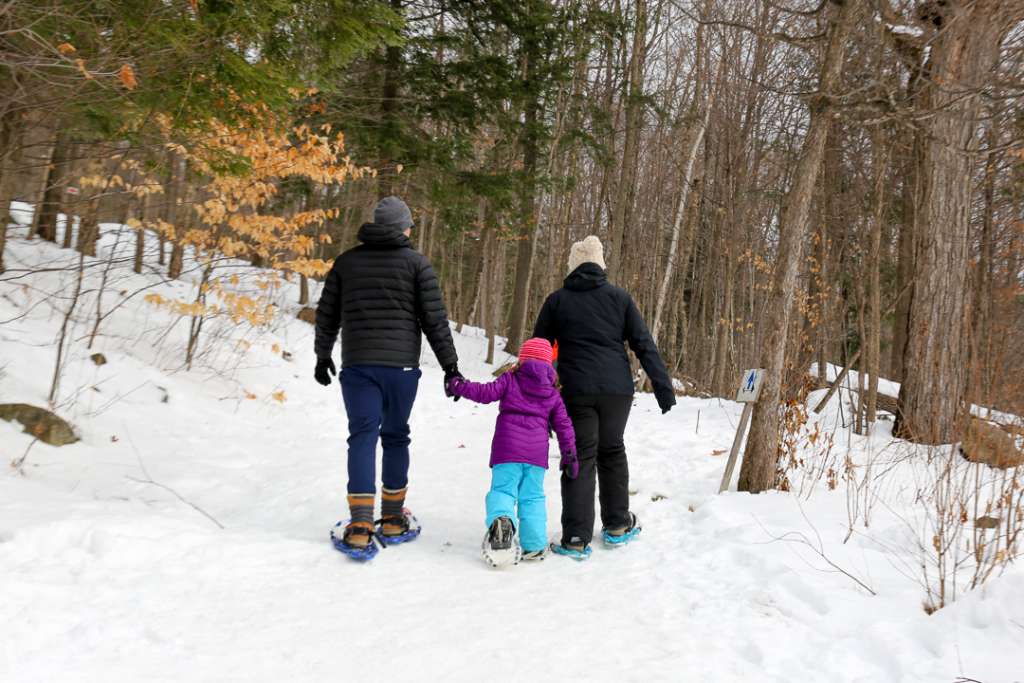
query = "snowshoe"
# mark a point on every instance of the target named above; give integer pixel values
(395, 530)
(535, 555)
(616, 538)
(501, 544)
(575, 549)
(342, 535)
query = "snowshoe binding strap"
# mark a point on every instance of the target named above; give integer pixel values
(616, 538)
(407, 529)
(399, 523)
(535, 555)
(575, 552)
(501, 534)
(357, 552)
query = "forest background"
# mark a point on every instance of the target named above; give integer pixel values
(776, 182)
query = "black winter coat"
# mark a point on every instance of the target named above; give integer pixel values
(590, 318)
(383, 294)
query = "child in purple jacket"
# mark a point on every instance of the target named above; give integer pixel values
(530, 407)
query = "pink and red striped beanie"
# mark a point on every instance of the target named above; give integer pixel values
(535, 349)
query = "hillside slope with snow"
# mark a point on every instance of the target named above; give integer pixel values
(185, 537)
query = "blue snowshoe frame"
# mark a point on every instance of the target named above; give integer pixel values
(578, 555)
(611, 541)
(414, 530)
(619, 541)
(358, 554)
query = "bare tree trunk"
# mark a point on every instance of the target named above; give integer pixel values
(694, 138)
(496, 306)
(874, 319)
(140, 232)
(104, 279)
(195, 326)
(823, 283)
(39, 173)
(62, 337)
(861, 407)
(73, 202)
(624, 194)
(935, 364)
(88, 228)
(44, 222)
(761, 456)
(387, 169)
(9, 143)
(527, 198)
(981, 333)
(725, 329)
(176, 262)
(911, 198)
(423, 236)
(175, 214)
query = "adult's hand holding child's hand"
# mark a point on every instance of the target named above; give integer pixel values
(451, 374)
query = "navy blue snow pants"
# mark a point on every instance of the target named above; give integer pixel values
(378, 401)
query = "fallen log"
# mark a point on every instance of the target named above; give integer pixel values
(885, 402)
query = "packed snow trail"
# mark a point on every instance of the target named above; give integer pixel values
(112, 570)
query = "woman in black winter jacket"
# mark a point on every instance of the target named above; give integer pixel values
(592, 320)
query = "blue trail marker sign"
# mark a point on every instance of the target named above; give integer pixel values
(750, 389)
(750, 386)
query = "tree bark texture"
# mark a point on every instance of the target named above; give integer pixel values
(761, 455)
(624, 194)
(45, 219)
(527, 197)
(10, 133)
(873, 339)
(963, 53)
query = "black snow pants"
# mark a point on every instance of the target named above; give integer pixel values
(599, 421)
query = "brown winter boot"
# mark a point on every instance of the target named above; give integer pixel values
(393, 521)
(359, 530)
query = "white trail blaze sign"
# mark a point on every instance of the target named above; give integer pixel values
(750, 389)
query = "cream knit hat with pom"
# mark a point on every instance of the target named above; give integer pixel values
(590, 250)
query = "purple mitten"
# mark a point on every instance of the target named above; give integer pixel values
(570, 464)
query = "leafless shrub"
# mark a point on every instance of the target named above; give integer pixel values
(971, 527)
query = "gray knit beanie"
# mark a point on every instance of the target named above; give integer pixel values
(393, 213)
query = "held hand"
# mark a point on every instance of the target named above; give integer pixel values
(450, 373)
(451, 386)
(570, 464)
(324, 371)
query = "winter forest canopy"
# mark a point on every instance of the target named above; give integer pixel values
(780, 184)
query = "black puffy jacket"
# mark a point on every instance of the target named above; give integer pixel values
(590, 318)
(383, 294)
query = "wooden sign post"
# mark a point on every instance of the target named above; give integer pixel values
(750, 388)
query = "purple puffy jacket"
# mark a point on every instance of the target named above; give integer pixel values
(530, 406)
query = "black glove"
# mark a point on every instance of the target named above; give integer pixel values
(666, 399)
(451, 372)
(570, 464)
(324, 371)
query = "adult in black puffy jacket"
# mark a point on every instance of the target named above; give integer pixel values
(384, 296)
(592, 320)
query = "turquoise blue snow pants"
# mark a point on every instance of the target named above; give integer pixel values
(517, 482)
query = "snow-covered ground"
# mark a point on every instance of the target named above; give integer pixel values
(185, 537)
